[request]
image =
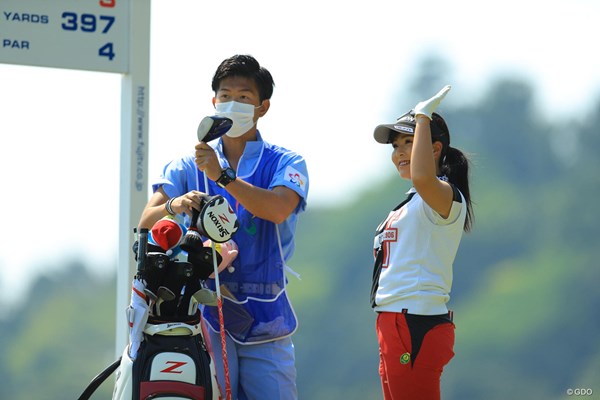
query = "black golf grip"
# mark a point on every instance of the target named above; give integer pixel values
(142, 250)
(195, 216)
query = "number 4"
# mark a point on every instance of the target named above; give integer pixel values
(107, 51)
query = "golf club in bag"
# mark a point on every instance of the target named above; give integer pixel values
(167, 355)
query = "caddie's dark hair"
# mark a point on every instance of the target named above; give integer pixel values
(455, 165)
(245, 66)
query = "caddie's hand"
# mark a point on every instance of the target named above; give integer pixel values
(427, 107)
(207, 161)
(187, 202)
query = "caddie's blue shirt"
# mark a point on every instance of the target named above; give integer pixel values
(256, 307)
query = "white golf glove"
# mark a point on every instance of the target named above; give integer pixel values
(427, 107)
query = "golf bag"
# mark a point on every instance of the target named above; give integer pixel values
(167, 356)
(172, 362)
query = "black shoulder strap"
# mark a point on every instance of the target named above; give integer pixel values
(97, 381)
(410, 196)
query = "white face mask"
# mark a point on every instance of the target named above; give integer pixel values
(241, 114)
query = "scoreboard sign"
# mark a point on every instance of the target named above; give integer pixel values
(88, 35)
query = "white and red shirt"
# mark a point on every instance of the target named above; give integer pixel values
(414, 250)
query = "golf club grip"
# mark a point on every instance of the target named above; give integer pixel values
(142, 250)
(195, 216)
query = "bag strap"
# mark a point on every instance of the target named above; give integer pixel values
(97, 381)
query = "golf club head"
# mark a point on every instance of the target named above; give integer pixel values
(213, 127)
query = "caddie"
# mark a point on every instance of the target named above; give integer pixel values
(267, 186)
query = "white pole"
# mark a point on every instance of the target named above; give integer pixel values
(134, 157)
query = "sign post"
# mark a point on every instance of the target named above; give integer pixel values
(105, 36)
(134, 157)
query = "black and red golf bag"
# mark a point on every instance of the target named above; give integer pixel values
(167, 356)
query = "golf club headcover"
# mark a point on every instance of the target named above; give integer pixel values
(192, 239)
(202, 261)
(157, 264)
(213, 127)
(228, 252)
(167, 233)
(217, 221)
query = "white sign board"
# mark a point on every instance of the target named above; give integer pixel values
(76, 34)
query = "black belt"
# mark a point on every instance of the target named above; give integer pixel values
(419, 325)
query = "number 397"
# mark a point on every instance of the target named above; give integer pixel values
(89, 23)
(86, 22)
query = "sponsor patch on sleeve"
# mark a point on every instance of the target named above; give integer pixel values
(294, 176)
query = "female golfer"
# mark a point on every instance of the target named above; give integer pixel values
(414, 250)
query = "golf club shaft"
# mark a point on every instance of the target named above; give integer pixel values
(220, 309)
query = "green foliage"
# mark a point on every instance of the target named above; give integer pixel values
(60, 339)
(530, 323)
(525, 280)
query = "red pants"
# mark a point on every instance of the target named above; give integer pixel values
(401, 378)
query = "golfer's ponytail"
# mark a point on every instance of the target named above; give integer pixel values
(455, 165)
